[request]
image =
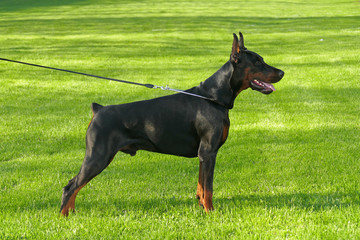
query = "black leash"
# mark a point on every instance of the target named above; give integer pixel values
(69, 71)
(117, 80)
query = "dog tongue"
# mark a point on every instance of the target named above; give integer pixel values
(268, 85)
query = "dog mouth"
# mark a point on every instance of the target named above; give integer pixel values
(261, 86)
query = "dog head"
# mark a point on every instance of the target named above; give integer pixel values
(250, 70)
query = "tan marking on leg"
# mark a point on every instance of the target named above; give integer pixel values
(200, 188)
(70, 205)
(208, 206)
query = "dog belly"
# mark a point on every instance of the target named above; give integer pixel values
(167, 141)
(186, 148)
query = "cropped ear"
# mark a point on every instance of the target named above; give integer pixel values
(235, 49)
(241, 42)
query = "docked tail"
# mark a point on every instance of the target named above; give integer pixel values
(96, 107)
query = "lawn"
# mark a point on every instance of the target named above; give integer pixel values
(290, 168)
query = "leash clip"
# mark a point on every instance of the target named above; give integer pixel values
(161, 87)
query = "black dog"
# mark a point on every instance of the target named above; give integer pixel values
(178, 124)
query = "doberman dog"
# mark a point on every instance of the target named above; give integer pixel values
(177, 124)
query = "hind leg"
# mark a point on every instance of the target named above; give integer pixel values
(68, 197)
(91, 168)
(99, 154)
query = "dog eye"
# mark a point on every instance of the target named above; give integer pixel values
(258, 63)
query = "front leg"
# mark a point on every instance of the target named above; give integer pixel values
(206, 175)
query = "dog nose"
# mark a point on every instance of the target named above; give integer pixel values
(281, 74)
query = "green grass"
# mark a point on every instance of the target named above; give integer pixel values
(289, 170)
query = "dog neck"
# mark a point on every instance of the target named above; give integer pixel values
(218, 86)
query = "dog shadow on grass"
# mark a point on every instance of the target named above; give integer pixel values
(313, 202)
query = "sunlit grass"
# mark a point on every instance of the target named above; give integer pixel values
(290, 167)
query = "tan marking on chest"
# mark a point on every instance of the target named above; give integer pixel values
(225, 133)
